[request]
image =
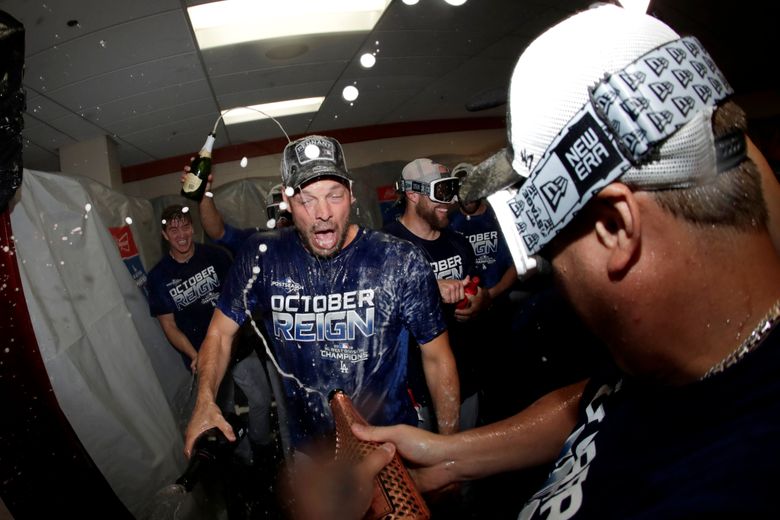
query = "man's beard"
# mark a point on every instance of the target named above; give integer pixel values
(429, 215)
(307, 239)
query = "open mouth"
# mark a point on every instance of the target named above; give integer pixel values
(325, 238)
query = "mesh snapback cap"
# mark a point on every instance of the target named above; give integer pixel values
(606, 94)
(311, 157)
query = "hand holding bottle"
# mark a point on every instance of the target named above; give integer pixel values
(470, 289)
(195, 180)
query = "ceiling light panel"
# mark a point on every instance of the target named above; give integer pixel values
(234, 21)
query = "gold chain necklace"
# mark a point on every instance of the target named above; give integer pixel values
(750, 343)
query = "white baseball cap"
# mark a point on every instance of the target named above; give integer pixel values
(605, 94)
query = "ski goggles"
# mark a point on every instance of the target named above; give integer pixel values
(442, 190)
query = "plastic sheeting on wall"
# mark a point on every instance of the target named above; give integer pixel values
(118, 381)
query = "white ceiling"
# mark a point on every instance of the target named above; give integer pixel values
(131, 69)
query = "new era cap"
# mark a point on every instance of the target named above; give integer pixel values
(606, 94)
(551, 82)
(310, 157)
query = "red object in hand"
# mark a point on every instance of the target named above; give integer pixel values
(470, 289)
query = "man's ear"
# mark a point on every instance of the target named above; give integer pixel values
(618, 227)
(412, 196)
(165, 235)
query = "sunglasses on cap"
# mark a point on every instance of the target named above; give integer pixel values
(442, 190)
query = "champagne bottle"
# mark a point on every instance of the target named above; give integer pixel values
(195, 181)
(470, 289)
(210, 447)
(395, 495)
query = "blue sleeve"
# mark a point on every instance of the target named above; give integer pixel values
(240, 281)
(420, 299)
(234, 237)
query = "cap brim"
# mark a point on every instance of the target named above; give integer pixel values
(491, 175)
(308, 175)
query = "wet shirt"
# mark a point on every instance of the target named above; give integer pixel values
(189, 290)
(233, 238)
(492, 256)
(707, 449)
(341, 322)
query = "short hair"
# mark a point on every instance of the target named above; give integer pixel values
(733, 198)
(175, 212)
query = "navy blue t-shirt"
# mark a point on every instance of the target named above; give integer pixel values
(484, 233)
(703, 450)
(189, 290)
(452, 258)
(341, 322)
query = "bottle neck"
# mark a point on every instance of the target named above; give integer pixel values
(208, 146)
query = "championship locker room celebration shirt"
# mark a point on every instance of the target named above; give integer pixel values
(452, 258)
(189, 290)
(490, 249)
(341, 322)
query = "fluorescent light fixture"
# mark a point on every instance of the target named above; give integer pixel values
(638, 6)
(234, 21)
(234, 116)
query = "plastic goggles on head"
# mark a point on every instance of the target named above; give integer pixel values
(442, 190)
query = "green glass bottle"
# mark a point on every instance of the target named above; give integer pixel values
(195, 182)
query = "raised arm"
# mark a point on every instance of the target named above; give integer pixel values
(213, 361)
(210, 217)
(441, 375)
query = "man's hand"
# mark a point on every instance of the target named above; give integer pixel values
(430, 467)
(477, 304)
(452, 291)
(206, 415)
(194, 364)
(183, 176)
(334, 490)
